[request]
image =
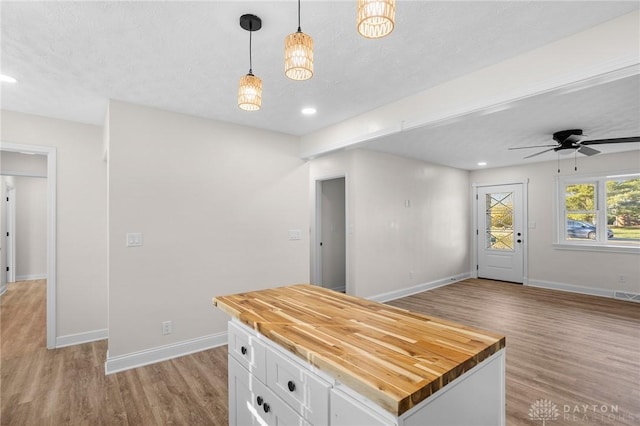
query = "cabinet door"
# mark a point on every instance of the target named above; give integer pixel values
(252, 403)
(240, 396)
(346, 411)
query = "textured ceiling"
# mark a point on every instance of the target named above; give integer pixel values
(71, 57)
(608, 110)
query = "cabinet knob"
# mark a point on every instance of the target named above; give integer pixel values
(259, 400)
(243, 350)
(291, 386)
(266, 407)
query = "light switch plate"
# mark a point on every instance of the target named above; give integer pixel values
(134, 239)
(295, 234)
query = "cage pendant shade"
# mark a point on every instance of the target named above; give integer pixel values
(250, 93)
(298, 56)
(376, 18)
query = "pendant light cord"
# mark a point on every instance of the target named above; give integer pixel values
(299, 28)
(250, 61)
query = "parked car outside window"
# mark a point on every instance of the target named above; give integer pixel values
(578, 229)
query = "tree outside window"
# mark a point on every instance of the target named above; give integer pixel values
(600, 210)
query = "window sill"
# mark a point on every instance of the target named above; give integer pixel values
(597, 247)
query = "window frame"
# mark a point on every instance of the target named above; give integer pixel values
(601, 243)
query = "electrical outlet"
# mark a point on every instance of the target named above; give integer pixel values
(622, 279)
(167, 327)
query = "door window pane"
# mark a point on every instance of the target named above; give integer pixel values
(499, 222)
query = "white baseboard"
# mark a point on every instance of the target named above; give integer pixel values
(79, 338)
(163, 353)
(396, 294)
(570, 288)
(31, 277)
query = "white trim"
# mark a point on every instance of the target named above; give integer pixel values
(31, 277)
(597, 247)
(79, 338)
(51, 154)
(163, 353)
(570, 288)
(397, 294)
(11, 229)
(21, 174)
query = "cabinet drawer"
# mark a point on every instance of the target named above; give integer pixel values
(298, 387)
(252, 403)
(247, 350)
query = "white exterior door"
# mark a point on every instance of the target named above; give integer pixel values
(500, 232)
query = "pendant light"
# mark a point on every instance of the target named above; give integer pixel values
(298, 54)
(250, 88)
(376, 17)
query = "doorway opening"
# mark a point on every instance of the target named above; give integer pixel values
(51, 174)
(330, 242)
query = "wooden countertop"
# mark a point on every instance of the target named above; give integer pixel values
(394, 357)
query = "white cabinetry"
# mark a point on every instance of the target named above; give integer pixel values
(270, 386)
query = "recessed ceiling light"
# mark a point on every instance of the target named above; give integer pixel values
(482, 163)
(308, 111)
(7, 79)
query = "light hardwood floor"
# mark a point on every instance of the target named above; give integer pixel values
(573, 350)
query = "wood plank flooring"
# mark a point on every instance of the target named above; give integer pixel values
(68, 386)
(573, 350)
(570, 349)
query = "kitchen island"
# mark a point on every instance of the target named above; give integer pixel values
(303, 355)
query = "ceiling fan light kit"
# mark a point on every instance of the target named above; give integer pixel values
(575, 140)
(250, 87)
(298, 54)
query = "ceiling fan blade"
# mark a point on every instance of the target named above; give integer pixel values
(533, 146)
(615, 140)
(541, 152)
(588, 151)
(575, 138)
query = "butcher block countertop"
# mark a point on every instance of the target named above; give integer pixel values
(392, 356)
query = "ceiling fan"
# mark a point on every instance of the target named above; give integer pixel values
(575, 140)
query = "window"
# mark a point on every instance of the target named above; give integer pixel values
(600, 211)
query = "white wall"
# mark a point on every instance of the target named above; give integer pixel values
(31, 227)
(214, 202)
(81, 212)
(390, 246)
(548, 265)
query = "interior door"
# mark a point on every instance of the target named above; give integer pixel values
(332, 234)
(500, 233)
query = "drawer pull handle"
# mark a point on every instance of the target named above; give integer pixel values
(291, 386)
(259, 400)
(266, 407)
(243, 350)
